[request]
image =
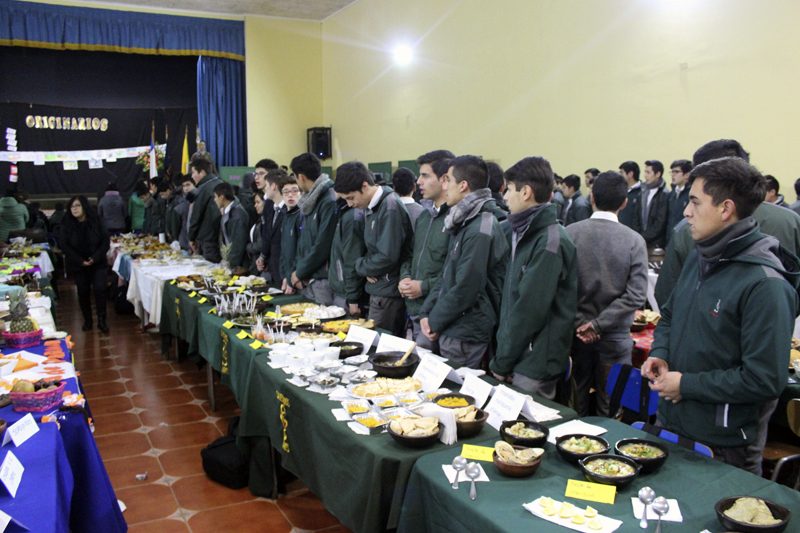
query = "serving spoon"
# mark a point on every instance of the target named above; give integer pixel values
(660, 507)
(646, 496)
(473, 472)
(459, 464)
(405, 355)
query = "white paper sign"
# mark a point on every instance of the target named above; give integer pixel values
(21, 430)
(390, 343)
(477, 388)
(4, 520)
(11, 473)
(533, 410)
(95, 163)
(38, 159)
(505, 405)
(363, 335)
(574, 426)
(111, 159)
(431, 373)
(70, 165)
(11, 131)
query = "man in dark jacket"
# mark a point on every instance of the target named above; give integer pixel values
(347, 247)
(653, 209)
(234, 227)
(535, 333)
(721, 351)
(290, 232)
(461, 311)
(387, 237)
(576, 207)
(420, 273)
(204, 223)
(630, 171)
(271, 223)
(679, 196)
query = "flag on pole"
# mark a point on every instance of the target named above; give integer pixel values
(153, 165)
(185, 152)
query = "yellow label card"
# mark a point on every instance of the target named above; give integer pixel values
(212, 311)
(202, 300)
(227, 324)
(266, 298)
(242, 335)
(256, 345)
(272, 314)
(234, 278)
(341, 335)
(479, 453)
(231, 282)
(593, 492)
(173, 282)
(241, 289)
(192, 294)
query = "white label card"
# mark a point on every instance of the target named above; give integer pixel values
(11, 473)
(477, 388)
(431, 373)
(363, 335)
(390, 343)
(21, 430)
(4, 520)
(504, 405)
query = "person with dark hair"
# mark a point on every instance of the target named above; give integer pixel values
(558, 199)
(630, 171)
(84, 241)
(202, 153)
(13, 215)
(254, 235)
(535, 333)
(773, 195)
(260, 174)
(204, 224)
(778, 222)
(497, 184)
(653, 211)
(269, 261)
(234, 227)
(387, 238)
(679, 196)
(318, 208)
(347, 248)
(403, 183)
(420, 272)
(721, 350)
(178, 221)
(612, 285)
(111, 210)
(290, 231)
(155, 208)
(796, 206)
(245, 195)
(462, 310)
(136, 207)
(57, 217)
(577, 207)
(589, 175)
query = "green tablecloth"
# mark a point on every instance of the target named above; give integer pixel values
(695, 481)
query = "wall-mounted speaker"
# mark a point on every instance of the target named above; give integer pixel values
(319, 142)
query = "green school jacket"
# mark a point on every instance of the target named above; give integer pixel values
(348, 246)
(430, 251)
(316, 236)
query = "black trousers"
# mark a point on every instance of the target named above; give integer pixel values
(86, 279)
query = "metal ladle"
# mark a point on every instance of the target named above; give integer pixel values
(473, 472)
(660, 507)
(459, 464)
(646, 496)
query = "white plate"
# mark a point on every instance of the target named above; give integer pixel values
(356, 359)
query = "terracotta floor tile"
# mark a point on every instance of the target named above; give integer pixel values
(198, 493)
(153, 383)
(110, 404)
(115, 423)
(182, 462)
(95, 363)
(138, 372)
(172, 414)
(160, 398)
(122, 445)
(194, 378)
(122, 472)
(99, 376)
(100, 390)
(306, 511)
(148, 502)
(252, 517)
(194, 434)
(159, 526)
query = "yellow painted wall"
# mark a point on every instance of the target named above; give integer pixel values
(583, 83)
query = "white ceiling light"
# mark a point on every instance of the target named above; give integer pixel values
(403, 54)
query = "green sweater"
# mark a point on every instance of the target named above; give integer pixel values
(540, 300)
(727, 329)
(430, 252)
(13, 216)
(204, 225)
(316, 234)
(290, 232)
(465, 303)
(136, 212)
(387, 237)
(348, 246)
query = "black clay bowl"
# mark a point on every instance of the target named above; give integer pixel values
(347, 348)
(778, 512)
(467, 400)
(572, 456)
(473, 427)
(382, 363)
(620, 481)
(512, 470)
(415, 442)
(536, 442)
(649, 464)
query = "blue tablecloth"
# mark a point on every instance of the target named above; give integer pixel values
(44, 494)
(94, 505)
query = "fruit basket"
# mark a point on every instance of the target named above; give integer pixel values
(25, 339)
(42, 400)
(23, 331)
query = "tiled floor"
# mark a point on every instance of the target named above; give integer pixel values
(153, 416)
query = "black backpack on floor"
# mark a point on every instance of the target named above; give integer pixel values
(223, 462)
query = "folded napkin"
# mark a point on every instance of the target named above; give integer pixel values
(446, 416)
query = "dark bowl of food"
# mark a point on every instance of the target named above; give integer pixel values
(453, 400)
(347, 348)
(308, 328)
(413, 441)
(524, 433)
(516, 464)
(385, 364)
(650, 454)
(609, 469)
(575, 447)
(752, 515)
(470, 428)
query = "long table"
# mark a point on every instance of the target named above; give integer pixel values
(697, 483)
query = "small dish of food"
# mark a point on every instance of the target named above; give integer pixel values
(575, 447)
(524, 433)
(607, 469)
(516, 461)
(453, 400)
(415, 431)
(752, 515)
(650, 454)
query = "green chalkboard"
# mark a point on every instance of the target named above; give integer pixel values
(384, 169)
(410, 164)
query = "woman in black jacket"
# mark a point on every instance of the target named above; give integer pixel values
(84, 242)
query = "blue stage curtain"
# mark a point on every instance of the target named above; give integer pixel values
(220, 109)
(79, 28)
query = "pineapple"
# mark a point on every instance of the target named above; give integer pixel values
(21, 322)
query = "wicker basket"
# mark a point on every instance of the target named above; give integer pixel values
(23, 340)
(34, 402)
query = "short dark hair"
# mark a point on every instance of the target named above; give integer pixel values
(308, 165)
(732, 178)
(439, 160)
(720, 148)
(225, 189)
(275, 175)
(535, 172)
(403, 181)
(630, 166)
(472, 169)
(573, 181)
(609, 191)
(351, 176)
(772, 183)
(87, 207)
(164, 186)
(185, 178)
(797, 186)
(495, 176)
(201, 164)
(684, 165)
(285, 180)
(593, 171)
(267, 164)
(140, 189)
(259, 193)
(656, 165)
(111, 186)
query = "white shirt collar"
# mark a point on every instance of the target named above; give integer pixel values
(227, 208)
(605, 215)
(407, 200)
(375, 198)
(279, 206)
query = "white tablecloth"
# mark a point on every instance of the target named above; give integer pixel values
(45, 264)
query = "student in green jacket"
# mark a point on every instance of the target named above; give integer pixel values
(420, 273)
(136, 208)
(318, 208)
(540, 296)
(721, 351)
(387, 238)
(461, 312)
(234, 227)
(204, 224)
(290, 231)
(348, 246)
